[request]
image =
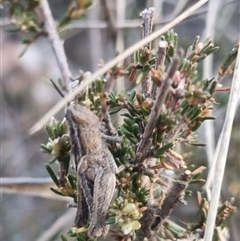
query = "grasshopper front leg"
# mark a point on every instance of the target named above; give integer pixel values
(104, 186)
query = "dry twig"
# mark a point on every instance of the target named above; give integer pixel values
(56, 42)
(145, 143)
(223, 151)
(147, 25)
(39, 187)
(155, 215)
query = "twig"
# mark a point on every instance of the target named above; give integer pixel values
(96, 50)
(155, 215)
(162, 93)
(39, 187)
(106, 116)
(120, 6)
(107, 119)
(147, 25)
(110, 19)
(213, 8)
(57, 88)
(61, 104)
(56, 42)
(223, 150)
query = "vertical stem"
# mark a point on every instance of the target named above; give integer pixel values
(213, 7)
(147, 24)
(57, 43)
(95, 39)
(223, 151)
(161, 96)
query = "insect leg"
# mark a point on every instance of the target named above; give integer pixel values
(104, 186)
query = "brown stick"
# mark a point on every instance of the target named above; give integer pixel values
(145, 143)
(154, 217)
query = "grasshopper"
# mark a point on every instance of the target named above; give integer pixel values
(96, 169)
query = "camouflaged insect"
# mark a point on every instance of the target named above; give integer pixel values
(96, 170)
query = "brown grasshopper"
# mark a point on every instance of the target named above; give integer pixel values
(96, 169)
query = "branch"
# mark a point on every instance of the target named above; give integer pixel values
(223, 151)
(56, 42)
(161, 96)
(111, 131)
(147, 24)
(39, 187)
(208, 126)
(61, 104)
(110, 19)
(154, 217)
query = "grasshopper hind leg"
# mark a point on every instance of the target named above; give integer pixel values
(104, 186)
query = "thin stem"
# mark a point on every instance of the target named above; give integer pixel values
(147, 25)
(161, 96)
(111, 131)
(213, 8)
(110, 19)
(155, 215)
(39, 187)
(223, 151)
(57, 88)
(57, 43)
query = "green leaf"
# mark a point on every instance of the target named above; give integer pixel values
(194, 113)
(45, 149)
(129, 121)
(163, 149)
(52, 174)
(213, 87)
(114, 110)
(63, 238)
(49, 131)
(196, 144)
(66, 162)
(71, 180)
(197, 181)
(196, 126)
(131, 95)
(184, 109)
(208, 118)
(56, 191)
(111, 220)
(196, 41)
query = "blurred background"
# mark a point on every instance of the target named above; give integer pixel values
(26, 94)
